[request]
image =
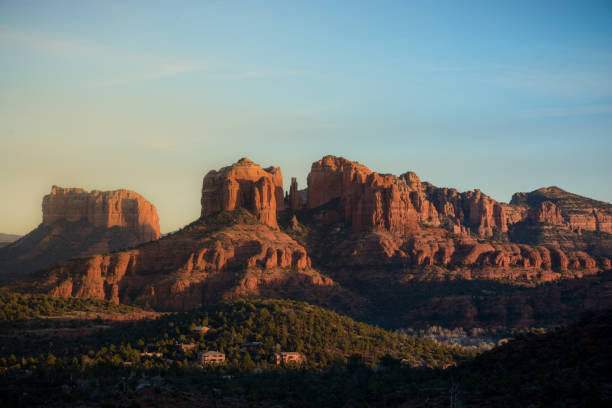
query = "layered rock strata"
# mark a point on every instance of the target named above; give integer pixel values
(555, 206)
(370, 200)
(399, 204)
(105, 209)
(189, 268)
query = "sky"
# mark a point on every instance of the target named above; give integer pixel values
(503, 96)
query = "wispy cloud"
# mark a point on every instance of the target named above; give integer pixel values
(128, 67)
(142, 66)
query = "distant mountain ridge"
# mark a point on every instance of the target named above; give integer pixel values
(9, 237)
(6, 239)
(361, 242)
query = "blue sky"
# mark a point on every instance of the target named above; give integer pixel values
(497, 95)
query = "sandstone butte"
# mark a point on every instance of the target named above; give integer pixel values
(77, 223)
(106, 209)
(244, 184)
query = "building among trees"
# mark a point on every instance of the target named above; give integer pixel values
(211, 357)
(183, 348)
(288, 357)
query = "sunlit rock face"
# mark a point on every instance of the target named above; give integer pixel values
(78, 223)
(555, 206)
(244, 184)
(119, 208)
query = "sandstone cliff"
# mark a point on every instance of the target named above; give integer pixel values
(399, 204)
(244, 185)
(105, 209)
(77, 223)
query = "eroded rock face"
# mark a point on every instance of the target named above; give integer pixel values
(189, 268)
(555, 206)
(468, 258)
(399, 204)
(246, 185)
(547, 213)
(333, 177)
(106, 209)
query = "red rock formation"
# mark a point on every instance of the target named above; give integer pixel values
(369, 200)
(467, 258)
(546, 212)
(398, 204)
(244, 184)
(121, 208)
(295, 201)
(566, 209)
(333, 177)
(76, 224)
(474, 209)
(188, 268)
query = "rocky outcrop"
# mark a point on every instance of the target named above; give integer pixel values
(333, 177)
(189, 268)
(105, 209)
(244, 185)
(547, 213)
(77, 223)
(399, 204)
(555, 206)
(294, 199)
(465, 258)
(370, 200)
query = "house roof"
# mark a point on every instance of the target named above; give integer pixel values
(212, 353)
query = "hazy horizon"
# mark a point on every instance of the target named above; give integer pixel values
(149, 96)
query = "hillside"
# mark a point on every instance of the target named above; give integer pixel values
(16, 307)
(323, 336)
(568, 367)
(348, 364)
(6, 239)
(47, 367)
(227, 255)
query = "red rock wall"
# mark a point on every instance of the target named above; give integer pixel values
(398, 204)
(121, 208)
